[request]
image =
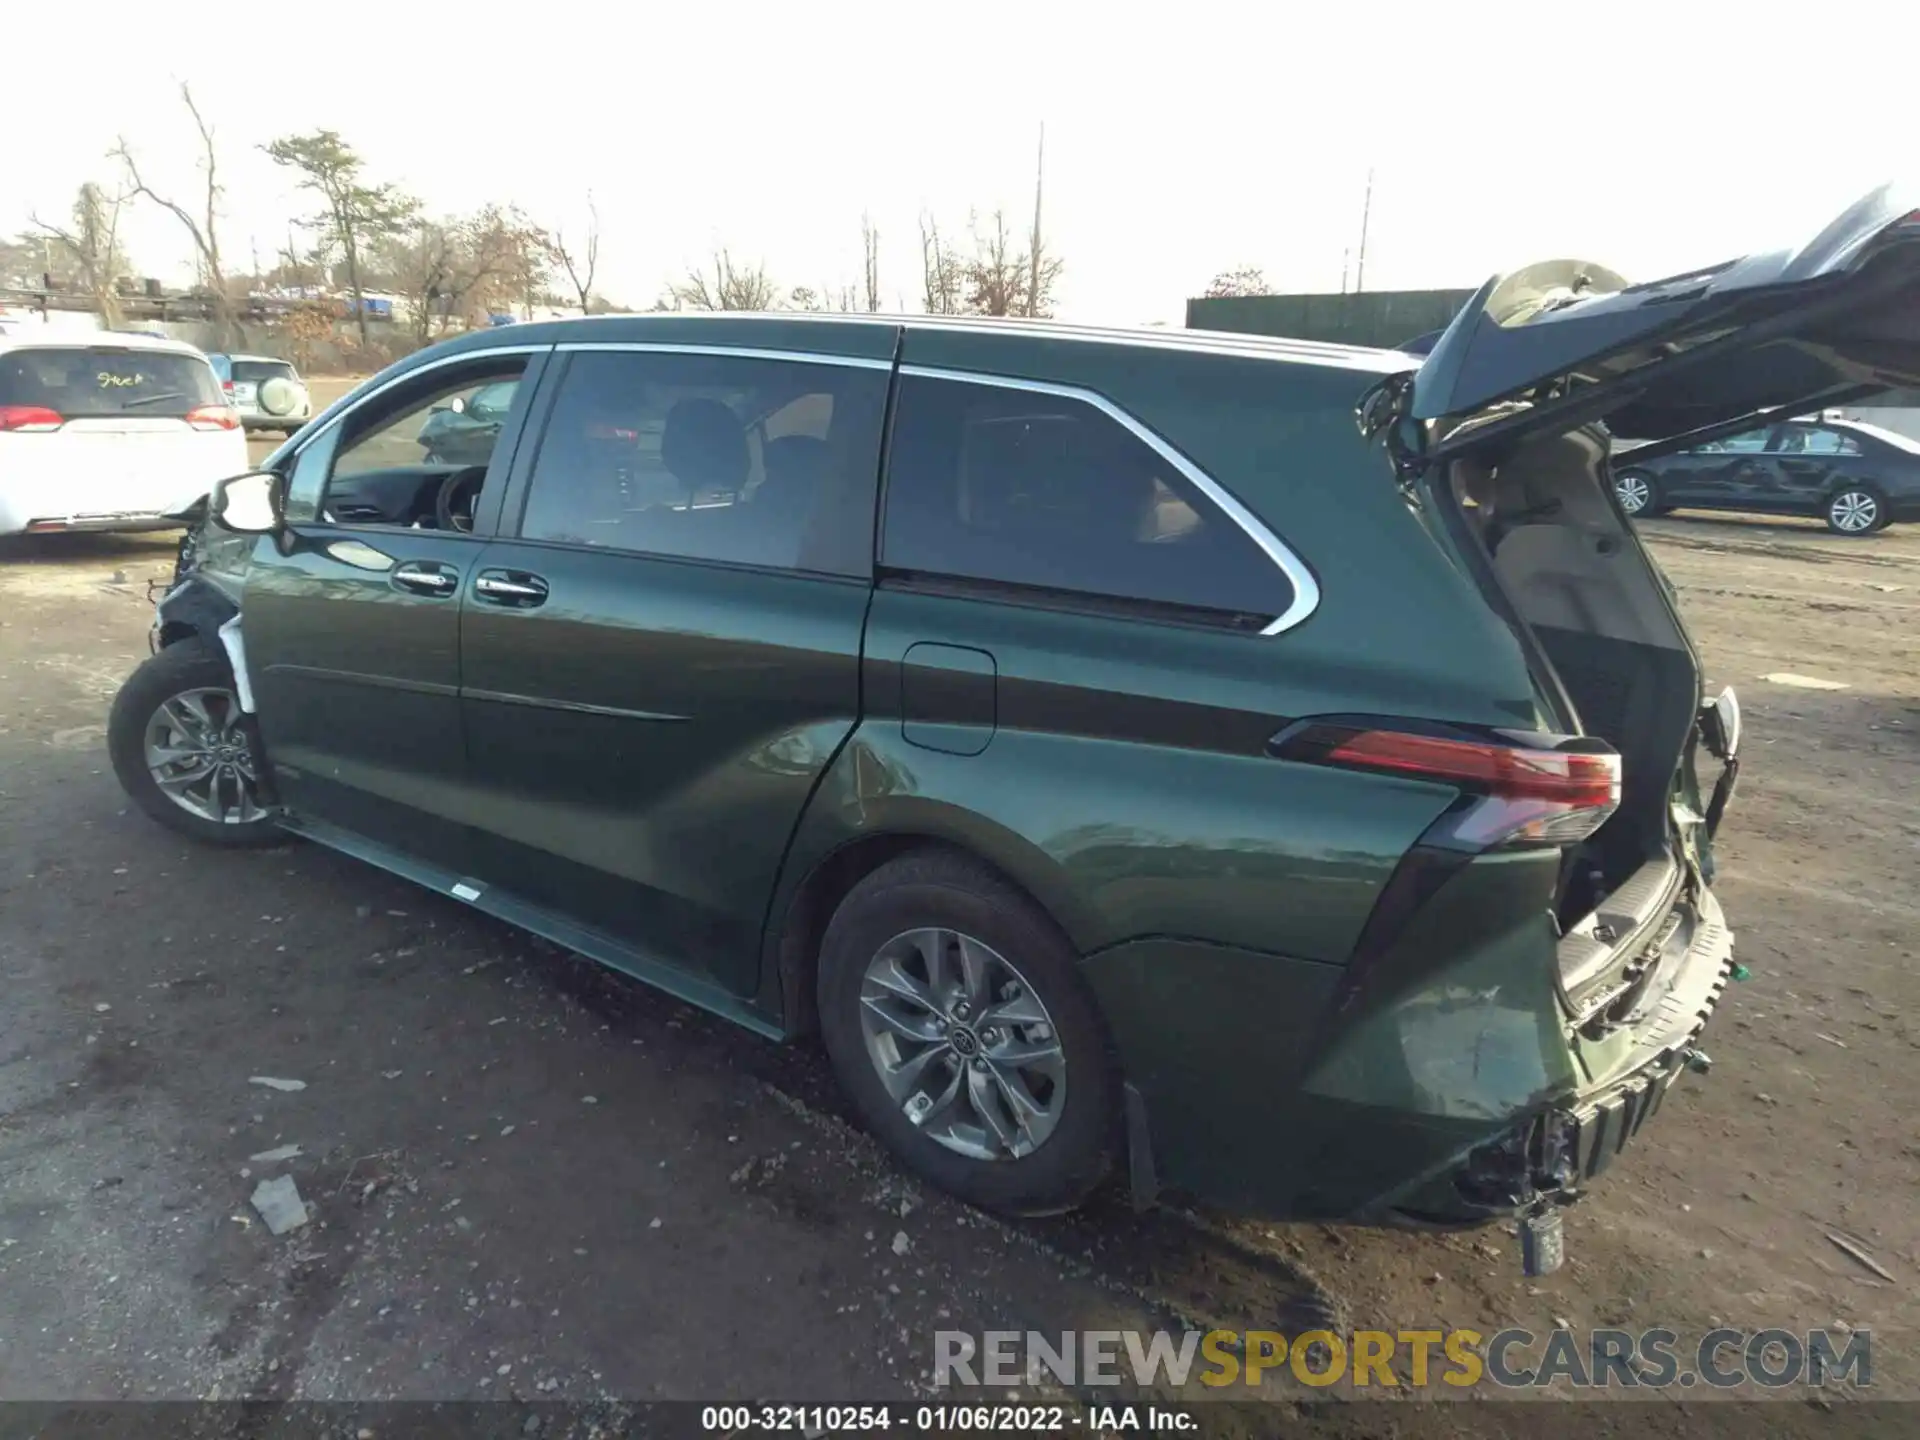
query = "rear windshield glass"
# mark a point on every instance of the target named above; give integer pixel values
(102, 380)
(261, 370)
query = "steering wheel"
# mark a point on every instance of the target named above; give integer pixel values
(453, 504)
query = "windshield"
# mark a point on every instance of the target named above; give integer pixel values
(497, 396)
(91, 382)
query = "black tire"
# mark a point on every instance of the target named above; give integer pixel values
(1858, 493)
(937, 888)
(1623, 485)
(187, 666)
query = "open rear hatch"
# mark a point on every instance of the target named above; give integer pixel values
(1502, 436)
(1832, 322)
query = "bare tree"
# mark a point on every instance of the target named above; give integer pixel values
(463, 267)
(202, 225)
(521, 254)
(1036, 247)
(300, 269)
(996, 273)
(306, 325)
(870, 266)
(942, 272)
(730, 287)
(582, 261)
(93, 247)
(826, 300)
(423, 266)
(353, 213)
(23, 260)
(1240, 280)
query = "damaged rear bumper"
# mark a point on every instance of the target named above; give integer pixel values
(1632, 1053)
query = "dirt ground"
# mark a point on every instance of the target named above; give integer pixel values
(532, 1179)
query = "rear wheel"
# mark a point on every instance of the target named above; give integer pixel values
(958, 1024)
(181, 751)
(1639, 493)
(1856, 510)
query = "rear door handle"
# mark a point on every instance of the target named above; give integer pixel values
(426, 577)
(517, 589)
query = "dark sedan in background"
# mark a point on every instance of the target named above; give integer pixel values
(1858, 478)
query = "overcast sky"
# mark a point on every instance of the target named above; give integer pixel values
(1180, 139)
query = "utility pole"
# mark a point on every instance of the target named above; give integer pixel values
(1346, 267)
(1366, 213)
(1033, 248)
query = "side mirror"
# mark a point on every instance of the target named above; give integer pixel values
(458, 405)
(247, 504)
(1720, 725)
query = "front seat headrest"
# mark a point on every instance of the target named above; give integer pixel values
(704, 446)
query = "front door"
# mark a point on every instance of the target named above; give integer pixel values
(1722, 474)
(663, 659)
(351, 619)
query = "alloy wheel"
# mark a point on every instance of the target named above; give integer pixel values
(1634, 493)
(199, 756)
(963, 1045)
(1854, 511)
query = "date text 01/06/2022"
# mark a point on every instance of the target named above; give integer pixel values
(815, 1420)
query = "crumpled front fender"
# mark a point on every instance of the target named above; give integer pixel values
(196, 607)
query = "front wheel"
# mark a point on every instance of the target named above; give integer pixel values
(1638, 492)
(1856, 510)
(956, 1019)
(181, 752)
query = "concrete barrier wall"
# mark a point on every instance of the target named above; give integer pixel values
(1379, 319)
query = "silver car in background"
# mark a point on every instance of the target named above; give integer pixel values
(268, 392)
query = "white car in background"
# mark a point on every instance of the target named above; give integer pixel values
(109, 431)
(268, 393)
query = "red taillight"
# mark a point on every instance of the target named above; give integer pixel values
(1547, 790)
(227, 385)
(29, 418)
(213, 417)
(1507, 771)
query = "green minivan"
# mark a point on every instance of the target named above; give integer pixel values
(1270, 771)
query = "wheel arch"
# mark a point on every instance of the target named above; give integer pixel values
(1839, 484)
(799, 923)
(173, 632)
(193, 608)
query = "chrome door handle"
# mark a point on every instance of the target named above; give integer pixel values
(426, 577)
(510, 587)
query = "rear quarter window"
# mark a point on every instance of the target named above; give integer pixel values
(1049, 499)
(93, 382)
(262, 370)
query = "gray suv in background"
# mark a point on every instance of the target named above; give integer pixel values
(268, 393)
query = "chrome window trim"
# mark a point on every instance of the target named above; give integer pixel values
(1192, 342)
(1306, 589)
(738, 352)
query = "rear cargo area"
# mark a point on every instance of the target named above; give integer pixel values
(1608, 649)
